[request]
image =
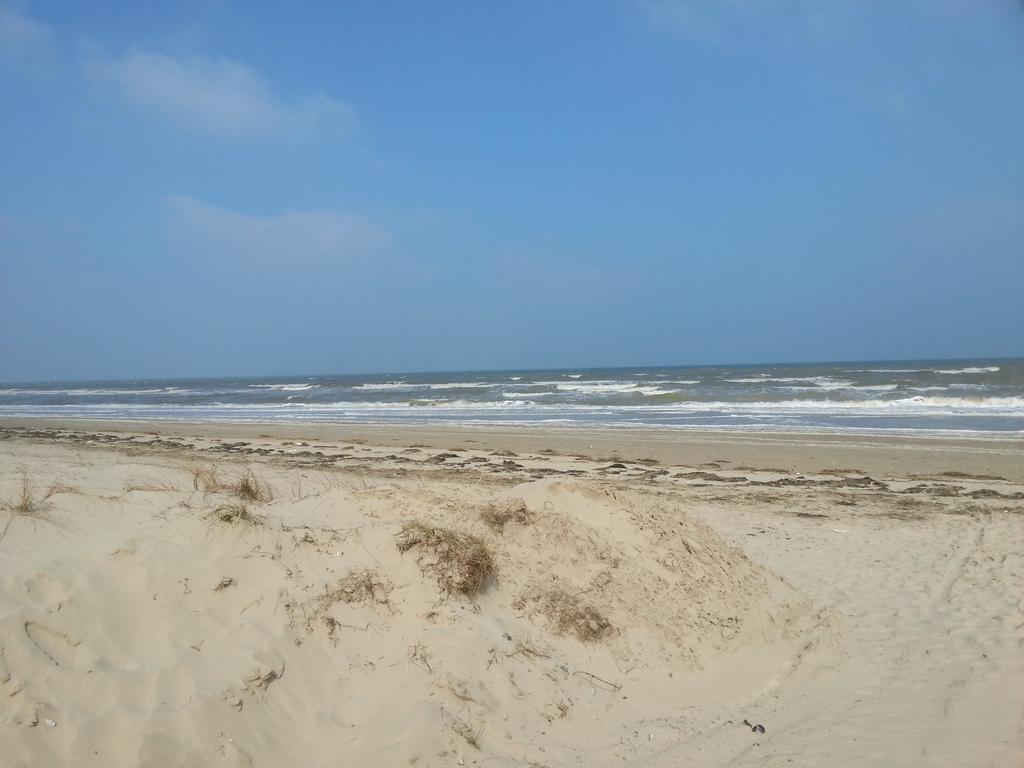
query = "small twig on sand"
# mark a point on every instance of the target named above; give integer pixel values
(352, 626)
(611, 686)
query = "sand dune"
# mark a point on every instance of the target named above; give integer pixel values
(224, 601)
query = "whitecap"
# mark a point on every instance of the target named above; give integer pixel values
(954, 371)
(382, 385)
(461, 385)
(284, 387)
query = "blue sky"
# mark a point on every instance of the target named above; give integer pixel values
(221, 188)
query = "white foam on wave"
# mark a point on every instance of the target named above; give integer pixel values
(471, 404)
(945, 371)
(284, 387)
(917, 404)
(954, 371)
(888, 370)
(340, 405)
(90, 392)
(383, 385)
(598, 388)
(462, 385)
(844, 386)
(605, 388)
(825, 382)
(393, 385)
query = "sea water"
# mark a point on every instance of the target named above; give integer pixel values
(969, 396)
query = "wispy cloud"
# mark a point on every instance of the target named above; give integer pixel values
(682, 17)
(216, 96)
(712, 20)
(23, 40)
(319, 237)
(819, 20)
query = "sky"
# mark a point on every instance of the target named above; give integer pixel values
(221, 188)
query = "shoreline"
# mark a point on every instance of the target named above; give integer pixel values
(794, 452)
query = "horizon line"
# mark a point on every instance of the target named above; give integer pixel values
(777, 364)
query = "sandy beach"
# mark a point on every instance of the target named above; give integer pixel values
(177, 594)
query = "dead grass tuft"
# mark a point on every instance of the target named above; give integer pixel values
(205, 479)
(247, 487)
(131, 485)
(567, 615)
(27, 505)
(233, 514)
(360, 587)
(59, 487)
(465, 730)
(459, 561)
(497, 515)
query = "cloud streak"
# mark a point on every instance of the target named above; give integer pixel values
(220, 97)
(319, 237)
(23, 40)
(712, 21)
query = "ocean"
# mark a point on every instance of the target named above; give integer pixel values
(964, 396)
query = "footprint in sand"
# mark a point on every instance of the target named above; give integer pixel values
(10, 686)
(271, 668)
(46, 591)
(60, 648)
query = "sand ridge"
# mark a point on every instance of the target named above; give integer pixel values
(632, 611)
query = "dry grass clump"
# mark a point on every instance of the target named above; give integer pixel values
(205, 479)
(465, 730)
(26, 504)
(236, 513)
(132, 484)
(360, 586)
(58, 487)
(247, 487)
(497, 515)
(459, 561)
(567, 615)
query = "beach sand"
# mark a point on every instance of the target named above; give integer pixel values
(325, 595)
